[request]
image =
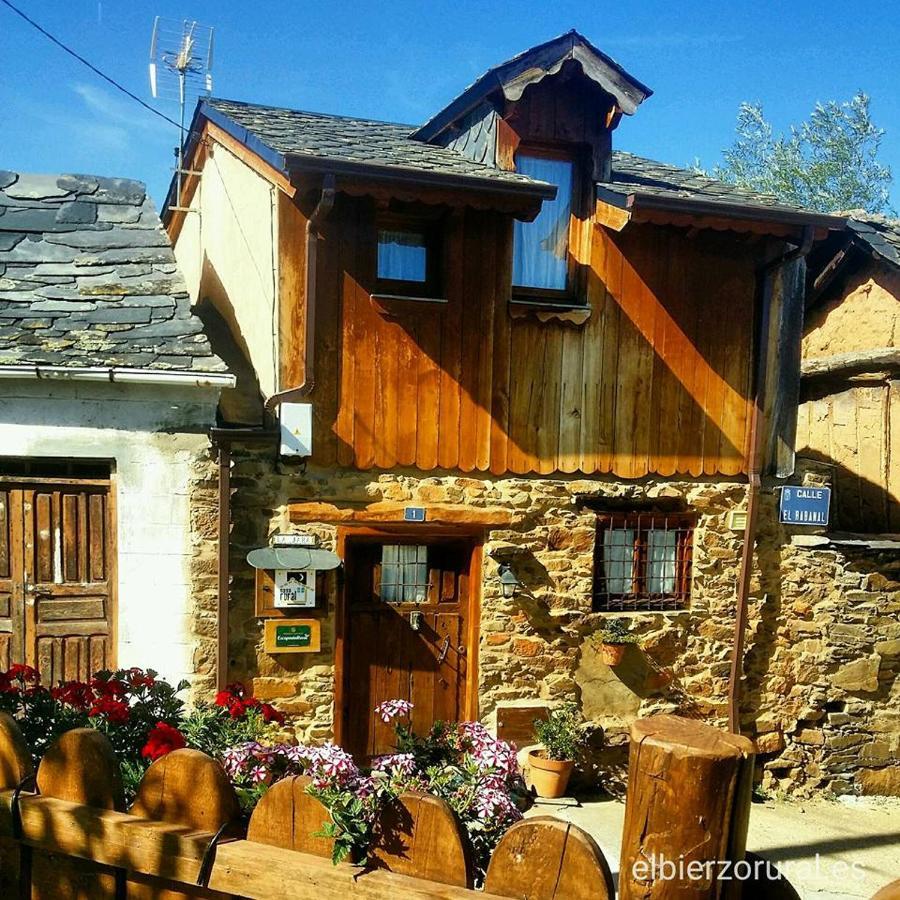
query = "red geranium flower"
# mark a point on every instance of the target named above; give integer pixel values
(162, 740)
(22, 672)
(270, 714)
(77, 694)
(6, 685)
(116, 711)
(137, 677)
(112, 688)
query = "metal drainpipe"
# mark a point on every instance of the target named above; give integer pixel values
(323, 208)
(755, 479)
(224, 564)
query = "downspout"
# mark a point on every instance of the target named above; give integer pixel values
(755, 474)
(224, 564)
(323, 208)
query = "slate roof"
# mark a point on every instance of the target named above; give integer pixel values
(647, 178)
(88, 278)
(282, 136)
(294, 134)
(881, 235)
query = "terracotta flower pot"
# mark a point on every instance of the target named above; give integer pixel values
(612, 654)
(549, 777)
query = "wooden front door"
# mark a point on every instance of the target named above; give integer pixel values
(56, 582)
(405, 635)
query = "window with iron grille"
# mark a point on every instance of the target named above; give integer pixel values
(642, 561)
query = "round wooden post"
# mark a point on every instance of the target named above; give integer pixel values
(890, 892)
(15, 765)
(686, 811)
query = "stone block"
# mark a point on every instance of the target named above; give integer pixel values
(879, 782)
(861, 675)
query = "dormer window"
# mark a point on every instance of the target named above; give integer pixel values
(543, 268)
(408, 260)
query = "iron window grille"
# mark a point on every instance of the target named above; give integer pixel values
(642, 562)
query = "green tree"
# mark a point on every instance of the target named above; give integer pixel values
(827, 163)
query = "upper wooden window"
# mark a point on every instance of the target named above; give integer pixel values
(408, 256)
(642, 561)
(543, 268)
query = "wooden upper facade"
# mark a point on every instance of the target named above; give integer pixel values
(643, 363)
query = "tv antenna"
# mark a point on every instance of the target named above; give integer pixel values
(181, 55)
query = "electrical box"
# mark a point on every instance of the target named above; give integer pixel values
(295, 420)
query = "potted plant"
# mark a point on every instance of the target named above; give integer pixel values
(612, 639)
(563, 738)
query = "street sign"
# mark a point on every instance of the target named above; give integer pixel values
(804, 505)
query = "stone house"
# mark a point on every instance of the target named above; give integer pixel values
(842, 596)
(108, 386)
(518, 382)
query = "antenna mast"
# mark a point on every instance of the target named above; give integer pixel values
(181, 56)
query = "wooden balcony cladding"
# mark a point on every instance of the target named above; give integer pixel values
(655, 382)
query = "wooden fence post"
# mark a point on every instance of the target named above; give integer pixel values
(15, 766)
(287, 816)
(889, 892)
(184, 787)
(80, 767)
(420, 835)
(546, 859)
(687, 810)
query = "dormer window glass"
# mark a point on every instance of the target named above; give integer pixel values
(541, 247)
(402, 255)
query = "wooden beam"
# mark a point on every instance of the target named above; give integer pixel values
(108, 837)
(249, 158)
(259, 871)
(613, 217)
(878, 360)
(389, 511)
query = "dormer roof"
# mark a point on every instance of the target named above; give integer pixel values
(533, 65)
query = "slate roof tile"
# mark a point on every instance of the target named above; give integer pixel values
(88, 278)
(880, 234)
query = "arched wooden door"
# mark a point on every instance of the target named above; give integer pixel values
(57, 582)
(405, 635)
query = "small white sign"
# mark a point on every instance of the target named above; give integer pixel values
(294, 540)
(295, 588)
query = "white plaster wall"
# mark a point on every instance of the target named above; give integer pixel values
(151, 434)
(228, 253)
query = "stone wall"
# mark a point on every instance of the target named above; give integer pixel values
(822, 648)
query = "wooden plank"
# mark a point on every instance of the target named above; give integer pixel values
(388, 511)
(292, 249)
(248, 157)
(502, 361)
(258, 872)
(473, 281)
(106, 836)
(341, 249)
(452, 323)
(483, 316)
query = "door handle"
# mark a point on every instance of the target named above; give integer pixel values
(445, 646)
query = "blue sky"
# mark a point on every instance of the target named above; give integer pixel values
(402, 61)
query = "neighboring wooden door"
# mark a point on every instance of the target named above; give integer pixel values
(56, 583)
(407, 612)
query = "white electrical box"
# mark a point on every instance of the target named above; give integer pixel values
(296, 429)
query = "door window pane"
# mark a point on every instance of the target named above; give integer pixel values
(541, 247)
(402, 256)
(404, 573)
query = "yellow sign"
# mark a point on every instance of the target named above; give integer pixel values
(293, 636)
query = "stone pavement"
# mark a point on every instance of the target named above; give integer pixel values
(863, 831)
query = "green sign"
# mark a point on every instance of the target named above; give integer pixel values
(293, 635)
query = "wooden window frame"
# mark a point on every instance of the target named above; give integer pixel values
(431, 228)
(575, 292)
(641, 600)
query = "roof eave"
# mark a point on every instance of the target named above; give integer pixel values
(634, 200)
(304, 163)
